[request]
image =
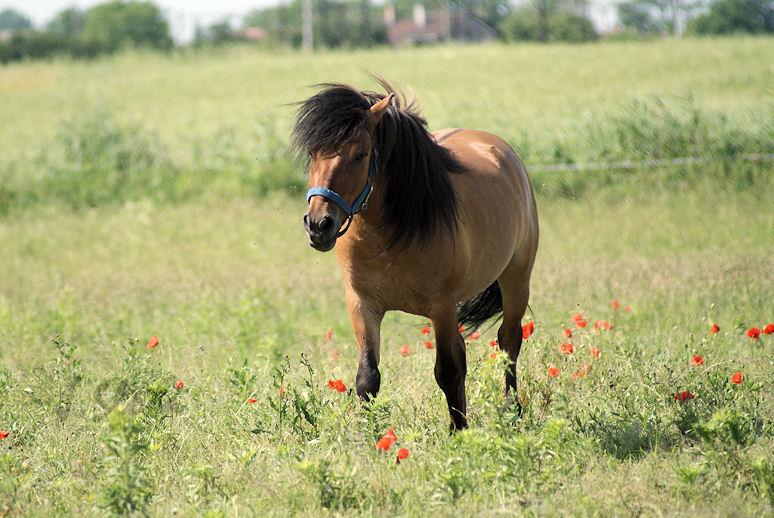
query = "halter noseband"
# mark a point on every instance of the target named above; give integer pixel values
(360, 204)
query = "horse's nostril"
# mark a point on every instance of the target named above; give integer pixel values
(326, 223)
(306, 221)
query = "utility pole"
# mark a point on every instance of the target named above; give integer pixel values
(306, 14)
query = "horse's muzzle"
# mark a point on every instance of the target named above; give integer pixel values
(322, 232)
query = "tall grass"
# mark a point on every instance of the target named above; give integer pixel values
(217, 124)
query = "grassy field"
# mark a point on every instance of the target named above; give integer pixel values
(150, 195)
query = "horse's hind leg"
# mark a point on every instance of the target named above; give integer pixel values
(451, 364)
(514, 286)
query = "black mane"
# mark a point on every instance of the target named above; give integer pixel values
(413, 169)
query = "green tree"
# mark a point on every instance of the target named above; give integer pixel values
(68, 23)
(118, 24)
(12, 20)
(549, 20)
(730, 16)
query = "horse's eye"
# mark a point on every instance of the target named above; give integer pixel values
(360, 156)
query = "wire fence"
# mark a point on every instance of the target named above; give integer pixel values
(644, 164)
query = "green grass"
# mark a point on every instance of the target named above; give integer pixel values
(226, 280)
(193, 125)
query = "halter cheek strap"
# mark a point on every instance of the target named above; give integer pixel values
(360, 204)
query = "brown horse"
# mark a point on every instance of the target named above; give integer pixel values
(450, 231)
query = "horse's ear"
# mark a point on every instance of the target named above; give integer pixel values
(378, 109)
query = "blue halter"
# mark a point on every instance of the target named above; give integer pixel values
(360, 204)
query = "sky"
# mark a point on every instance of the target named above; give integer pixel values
(184, 15)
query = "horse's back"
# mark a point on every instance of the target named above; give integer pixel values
(498, 216)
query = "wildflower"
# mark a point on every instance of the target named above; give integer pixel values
(329, 335)
(403, 454)
(697, 360)
(425, 330)
(628, 309)
(714, 329)
(387, 440)
(566, 348)
(493, 343)
(493, 356)
(581, 373)
(179, 384)
(595, 352)
(527, 329)
(615, 304)
(405, 350)
(602, 324)
(153, 342)
(337, 385)
(461, 329)
(428, 344)
(768, 329)
(568, 333)
(581, 323)
(553, 371)
(577, 316)
(684, 395)
(754, 333)
(737, 378)
(252, 400)
(475, 335)
(4, 434)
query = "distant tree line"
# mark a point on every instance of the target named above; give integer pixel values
(104, 28)
(118, 24)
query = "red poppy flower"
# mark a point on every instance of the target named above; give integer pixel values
(337, 385)
(602, 324)
(628, 309)
(581, 373)
(595, 352)
(4, 434)
(428, 344)
(425, 330)
(553, 371)
(329, 335)
(493, 356)
(737, 378)
(566, 348)
(252, 400)
(714, 329)
(493, 343)
(179, 384)
(405, 350)
(754, 333)
(527, 329)
(387, 440)
(475, 335)
(581, 323)
(153, 342)
(403, 454)
(684, 395)
(568, 333)
(697, 360)
(615, 304)
(768, 329)
(577, 316)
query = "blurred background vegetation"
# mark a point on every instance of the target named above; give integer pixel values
(114, 25)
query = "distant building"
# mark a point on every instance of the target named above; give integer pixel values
(253, 33)
(435, 26)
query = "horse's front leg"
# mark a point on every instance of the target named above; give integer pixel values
(451, 364)
(366, 323)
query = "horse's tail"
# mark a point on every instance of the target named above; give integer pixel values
(473, 312)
